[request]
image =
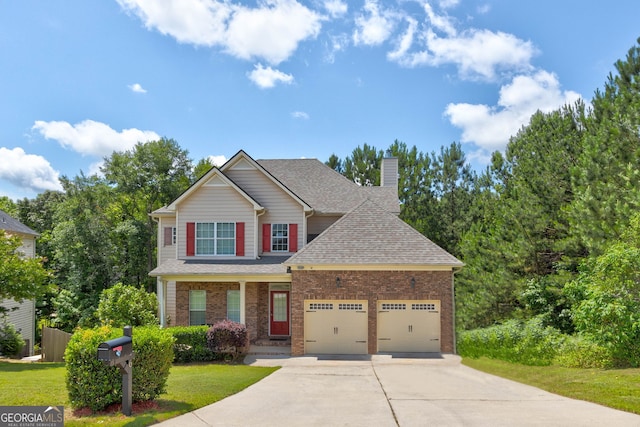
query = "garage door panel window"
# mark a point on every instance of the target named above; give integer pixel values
(320, 306)
(387, 306)
(424, 307)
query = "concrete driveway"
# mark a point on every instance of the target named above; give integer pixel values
(382, 390)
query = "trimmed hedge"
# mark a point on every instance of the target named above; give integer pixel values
(94, 385)
(191, 344)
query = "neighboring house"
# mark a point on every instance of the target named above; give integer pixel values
(21, 315)
(294, 250)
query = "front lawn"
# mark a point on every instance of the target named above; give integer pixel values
(615, 388)
(189, 387)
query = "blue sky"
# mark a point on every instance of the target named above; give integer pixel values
(287, 79)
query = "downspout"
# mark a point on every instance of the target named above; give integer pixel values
(256, 231)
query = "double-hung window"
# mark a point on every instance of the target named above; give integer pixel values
(215, 238)
(197, 307)
(280, 237)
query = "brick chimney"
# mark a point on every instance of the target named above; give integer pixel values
(389, 171)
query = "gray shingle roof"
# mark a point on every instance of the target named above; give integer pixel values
(267, 265)
(326, 190)
(9, 223)
(371, 235)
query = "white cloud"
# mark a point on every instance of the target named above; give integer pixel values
(300, 115)
(217, 160)
(271, 31)
(445, 4)
(28, 171)
(490, 127)
(439, 22)
(137, 88)
(336, 44)
(478, 54)
(336, 8)
(267, 77)
(92, 138)
(374, 26)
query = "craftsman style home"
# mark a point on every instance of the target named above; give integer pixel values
(21, 315)
(297, 252)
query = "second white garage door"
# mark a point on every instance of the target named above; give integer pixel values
(335, 327)
(409, 326)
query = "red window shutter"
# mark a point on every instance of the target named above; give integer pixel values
(191, 238)
(293, 237)
(266, 237)
(239, 238)
(168, 236)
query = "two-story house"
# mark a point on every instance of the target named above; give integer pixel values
(294, 250)
(21, 315)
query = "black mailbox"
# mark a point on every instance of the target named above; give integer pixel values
(119, 352)
(116, 351)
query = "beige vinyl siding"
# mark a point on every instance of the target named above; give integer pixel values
(281, 208)
(24, 319)
(28, 247)
(168, 251)
(171, 302)
(216, 204)
(317, 224)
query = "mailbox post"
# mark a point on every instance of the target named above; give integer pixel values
(119, 352)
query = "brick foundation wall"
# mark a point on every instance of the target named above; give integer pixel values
(371, 286)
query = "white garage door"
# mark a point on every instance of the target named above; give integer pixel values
(409, 326)
(335, 327)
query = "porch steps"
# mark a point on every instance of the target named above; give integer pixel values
(271, 347)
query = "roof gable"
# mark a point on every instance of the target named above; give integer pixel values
(370, 235)
(8, 223)
(214, 177)
(242, 161)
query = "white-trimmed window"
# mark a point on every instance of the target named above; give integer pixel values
(280, 237)
(233, 305)
(215, 238)
(197, 307)
(174, 235)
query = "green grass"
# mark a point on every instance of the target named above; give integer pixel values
(615, 388)
(189, 387)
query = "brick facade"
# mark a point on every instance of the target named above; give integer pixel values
(371, 286)
(315, 284)
(256, 305)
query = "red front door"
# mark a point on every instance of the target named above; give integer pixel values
(279, 313)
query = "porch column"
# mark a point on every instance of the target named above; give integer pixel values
(243, 287)
(162, 301)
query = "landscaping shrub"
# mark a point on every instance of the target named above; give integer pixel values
(528, 343)
(191, 344)
(11, 342)
(227, 337)
(578, 352)
(123, 305)
(94, 385)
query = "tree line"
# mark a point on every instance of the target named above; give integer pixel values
(549, 220)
